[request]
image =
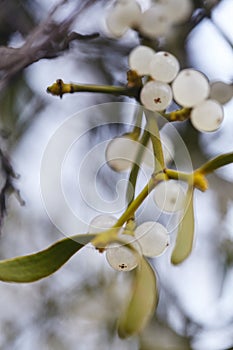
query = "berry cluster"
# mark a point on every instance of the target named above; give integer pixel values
(155, 22)
(188, 87)
(162, 67)
(149, 239)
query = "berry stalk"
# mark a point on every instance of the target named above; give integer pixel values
(159, 164)
(59, 88)
(129, 213)
(135, 169)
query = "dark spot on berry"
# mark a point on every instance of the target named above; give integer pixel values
(166, 54)
(157, 100)
(173, 200)
(122, 266)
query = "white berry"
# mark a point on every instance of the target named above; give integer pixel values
(190, 88)
(164, 67)
(121, 153)
(221, 92)
(124, 15)
(169, 196)
(207, 116)
(178, 11)
(154, 22)
(122, 258)
(153, 238)
(139, 59)
(101, 223)
(156, 96)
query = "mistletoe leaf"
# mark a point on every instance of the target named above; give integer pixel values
(30, 268)
(142, 303)
(216, 163)
(184, 239)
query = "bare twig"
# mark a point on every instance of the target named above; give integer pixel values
(8, 188)
(47, 40)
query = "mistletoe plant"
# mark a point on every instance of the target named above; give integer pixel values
(154, 80)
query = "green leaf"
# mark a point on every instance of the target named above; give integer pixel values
(184, 239)
(217, 162)
(142, 303)
(30, 268)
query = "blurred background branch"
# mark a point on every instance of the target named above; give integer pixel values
(47, 40)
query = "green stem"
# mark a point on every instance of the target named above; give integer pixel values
(137, 127)
(153, 128)
(216, 163)
(196, 179)
(59, 88)
(101, 240)
(134, 205)
(178, 175)
(179, 115)
(135, 169)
